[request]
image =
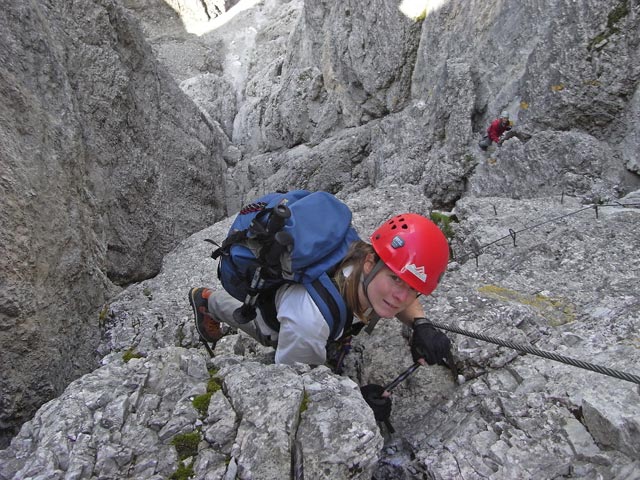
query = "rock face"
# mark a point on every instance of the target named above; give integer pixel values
(239, 419)
(567, 287)
(569, 81)
(106, 164)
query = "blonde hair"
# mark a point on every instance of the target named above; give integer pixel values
(349, 286)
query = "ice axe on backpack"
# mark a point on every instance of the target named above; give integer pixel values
(278, 243)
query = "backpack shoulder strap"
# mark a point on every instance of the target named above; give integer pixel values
(326, 296)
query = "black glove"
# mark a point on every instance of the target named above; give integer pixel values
(381, 407)
(429, 343)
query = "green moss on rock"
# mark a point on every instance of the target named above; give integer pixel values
(444, 222)
(184, 472)
(186, 444)
(130, 354)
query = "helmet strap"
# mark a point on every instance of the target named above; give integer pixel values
(370, 313)
(366, 279)
(371, 324)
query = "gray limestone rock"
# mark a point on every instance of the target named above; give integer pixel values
(553, 290)
(567, 286)
(107, 164)
(219, 103)
(140, 418)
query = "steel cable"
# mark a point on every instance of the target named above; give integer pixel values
(541, 353)
(512, 233)
(534, 351)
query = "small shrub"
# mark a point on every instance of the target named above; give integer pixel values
(421, 16)
(597, 40)
(213, 385)
(615, 15)
(444, 222)
(129, 354)
(305, 402)
(186, 444)
(184, 472)
(201, 403)
(102, 316)
(180, 335)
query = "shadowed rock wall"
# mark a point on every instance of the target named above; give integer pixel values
(106, 164)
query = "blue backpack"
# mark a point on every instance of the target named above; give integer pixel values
(293, 237)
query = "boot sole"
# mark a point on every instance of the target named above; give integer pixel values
(194, 308)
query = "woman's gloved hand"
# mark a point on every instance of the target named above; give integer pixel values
(429, 343)
(380, 405)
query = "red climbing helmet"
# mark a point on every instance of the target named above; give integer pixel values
(414, 248)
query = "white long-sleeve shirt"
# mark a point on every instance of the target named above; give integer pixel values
(303, 332)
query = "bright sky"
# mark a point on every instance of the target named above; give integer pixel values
(200, 27)
(411, 8)
(417, 8)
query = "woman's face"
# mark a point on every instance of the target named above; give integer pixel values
(387, 293)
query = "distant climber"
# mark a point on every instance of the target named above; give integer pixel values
(496, 131)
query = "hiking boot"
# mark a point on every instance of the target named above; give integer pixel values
(208, 327)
